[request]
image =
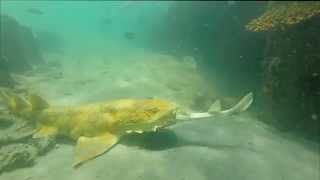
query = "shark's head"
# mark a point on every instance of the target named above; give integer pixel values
(148, 116)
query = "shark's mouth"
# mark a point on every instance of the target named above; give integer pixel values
(149, 126)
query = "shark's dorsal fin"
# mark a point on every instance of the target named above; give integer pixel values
(215, 107)
(37, 103)
(90, 147)
(241, 106)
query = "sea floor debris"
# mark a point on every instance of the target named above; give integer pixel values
(17, 147)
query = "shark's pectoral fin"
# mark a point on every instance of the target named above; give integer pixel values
(46, 131)
(90, 147)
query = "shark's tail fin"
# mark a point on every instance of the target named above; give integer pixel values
(12, 102)
(242, 105)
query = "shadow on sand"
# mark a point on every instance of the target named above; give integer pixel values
(166, 139)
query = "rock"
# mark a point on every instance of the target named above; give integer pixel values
(281, 16)
(5, 78)
(44, 145)
(14, 129)
(16, 156)
(18, 148)
(19, 46)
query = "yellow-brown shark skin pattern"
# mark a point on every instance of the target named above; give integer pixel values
(117, 117)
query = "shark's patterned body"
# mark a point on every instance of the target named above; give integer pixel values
(97, 127)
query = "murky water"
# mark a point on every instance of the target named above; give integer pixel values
(148, 90)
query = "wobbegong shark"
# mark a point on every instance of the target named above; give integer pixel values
(97, 127)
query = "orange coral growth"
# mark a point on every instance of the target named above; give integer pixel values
(284, 15)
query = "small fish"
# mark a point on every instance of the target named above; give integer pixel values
(35, 11)
(129, 35)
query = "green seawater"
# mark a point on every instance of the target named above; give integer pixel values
(94, 51)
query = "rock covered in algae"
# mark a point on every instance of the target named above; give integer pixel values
(16, 156)
(14, 129)
(5, 77)
(19, 46)
(17, 147)
(284, 15)
(43, 145)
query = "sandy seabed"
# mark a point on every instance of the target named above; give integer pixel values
(237, 147)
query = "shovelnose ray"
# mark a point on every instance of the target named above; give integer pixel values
(98, 127)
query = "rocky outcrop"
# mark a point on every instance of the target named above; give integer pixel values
(214, 33)
(17, 147)
(281, 16)
(291, 64)
(16, 156)
(14, 129)
(270, 48)
(18, 46)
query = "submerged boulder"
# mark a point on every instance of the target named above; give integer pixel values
(13, 129)
(16, 156)
(291, 65)
(18, 45)
(5, 78)
(17, 147)
(281, 16)
(44, 145)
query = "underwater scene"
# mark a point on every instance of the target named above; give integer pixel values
(176, 90)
